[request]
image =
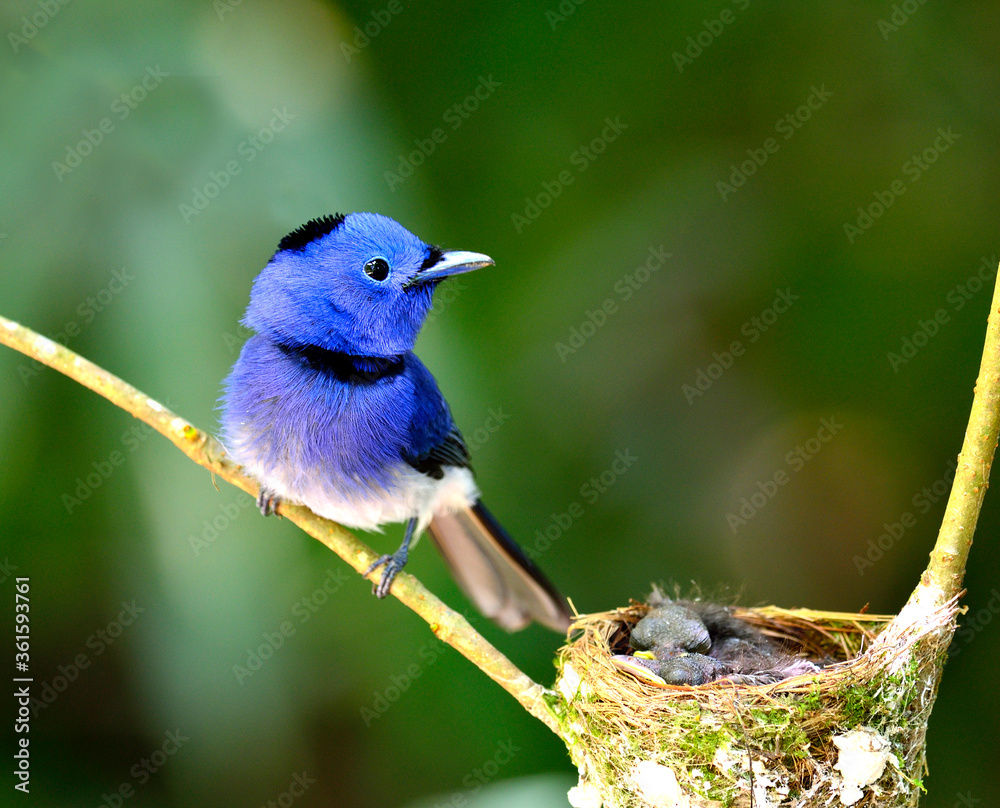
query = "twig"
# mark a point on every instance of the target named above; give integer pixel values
(940, 585)
(942, 579)
(447, 624)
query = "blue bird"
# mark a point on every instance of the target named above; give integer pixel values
(328, 406)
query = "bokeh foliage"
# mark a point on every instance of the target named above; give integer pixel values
(550, 77)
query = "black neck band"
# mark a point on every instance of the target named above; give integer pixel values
(346, 367)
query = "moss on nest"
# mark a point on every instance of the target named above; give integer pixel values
(724, 744)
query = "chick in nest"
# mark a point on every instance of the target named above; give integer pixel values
(695, 642)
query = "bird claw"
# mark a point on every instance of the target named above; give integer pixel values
(393, 565)
(267, 501)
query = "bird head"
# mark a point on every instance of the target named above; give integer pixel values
(360, 284)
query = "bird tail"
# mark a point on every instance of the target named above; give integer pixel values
(495, 573)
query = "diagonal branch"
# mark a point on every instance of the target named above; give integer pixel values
(447, 624)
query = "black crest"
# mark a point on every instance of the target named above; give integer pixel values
(310, 231)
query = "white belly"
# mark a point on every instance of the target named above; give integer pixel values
(413, 494)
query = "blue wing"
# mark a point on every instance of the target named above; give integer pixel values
(435, 441)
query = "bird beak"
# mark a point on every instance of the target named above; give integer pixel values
(452, 263)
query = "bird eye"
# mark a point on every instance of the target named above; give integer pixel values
(377, 269)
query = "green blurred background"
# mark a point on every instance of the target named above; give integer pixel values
(255, 117)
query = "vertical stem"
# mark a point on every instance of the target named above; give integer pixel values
(946, 570)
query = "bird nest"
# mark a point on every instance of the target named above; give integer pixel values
(851, 733)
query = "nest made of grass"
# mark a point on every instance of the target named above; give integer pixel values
(785, 728)
(818, 635)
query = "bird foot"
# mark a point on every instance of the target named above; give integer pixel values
(267, 501)
(393, 564)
